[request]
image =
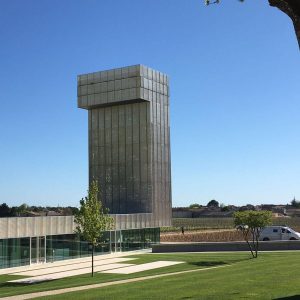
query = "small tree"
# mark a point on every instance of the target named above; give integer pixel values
(92, 219)
(250, 223)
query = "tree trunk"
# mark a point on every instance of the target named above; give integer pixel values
(250, 247)
(256, 240)
(292, 9)
(253, 243)
(245, 233)
(93, 249)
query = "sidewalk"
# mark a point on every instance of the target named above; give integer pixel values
(68, 262)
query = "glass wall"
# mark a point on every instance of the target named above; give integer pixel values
(69, 246)
(17, 252)
(137, 239)
(14, 252)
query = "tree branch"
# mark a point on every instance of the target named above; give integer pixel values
(292, 9)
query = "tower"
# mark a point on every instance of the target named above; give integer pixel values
(129, 143)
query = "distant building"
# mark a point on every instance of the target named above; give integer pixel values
(202, 212)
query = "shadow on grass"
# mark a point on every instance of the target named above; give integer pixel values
(288, 298)
(216, 263)
(208, 263)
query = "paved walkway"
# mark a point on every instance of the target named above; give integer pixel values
(69, 273)
(111, 265)
(100, 285)
(142, 267)
(69, 263)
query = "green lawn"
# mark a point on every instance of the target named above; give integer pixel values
(192, 261)
(271, 276)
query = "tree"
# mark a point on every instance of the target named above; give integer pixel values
(92, 219)
(195, 205)
(295, 203)
(22, 209)
(250, 223)
(224, 207)
(289, 7)
(4, 210)
(213, 203)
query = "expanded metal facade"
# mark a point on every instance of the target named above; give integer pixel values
(129, 142)
(18, 227)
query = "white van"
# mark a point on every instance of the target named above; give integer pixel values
(271, 233)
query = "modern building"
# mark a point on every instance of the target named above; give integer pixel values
(29, 240)
(129, 143)
(129, 156)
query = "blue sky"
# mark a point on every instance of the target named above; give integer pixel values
(234, 71)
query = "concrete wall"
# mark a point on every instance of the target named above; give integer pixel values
(230, 246)
(129, 142)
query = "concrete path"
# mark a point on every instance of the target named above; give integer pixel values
(100, 285)
(70, 262)
(68, 268)
(64, 268)
(142, 267)
(73, 272)
(110, 265)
